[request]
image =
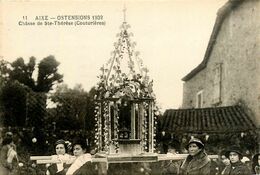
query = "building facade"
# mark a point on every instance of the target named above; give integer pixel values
(230, 71)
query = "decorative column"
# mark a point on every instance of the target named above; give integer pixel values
(132, 121)
(109, 124)
(141, 126)
(145, 129)
(116, 130)
(151, 127)
(98, 130)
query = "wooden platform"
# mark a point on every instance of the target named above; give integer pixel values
(126, 158)
(123, 158)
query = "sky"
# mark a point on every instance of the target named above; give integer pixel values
(171, 36)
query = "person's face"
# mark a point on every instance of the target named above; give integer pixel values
(193, 149)
(78, 151)
(60, 149)
(225, 160)
(234, 157)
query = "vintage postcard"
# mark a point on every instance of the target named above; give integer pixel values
(133, 79)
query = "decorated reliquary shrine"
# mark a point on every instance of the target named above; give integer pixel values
(125, 111)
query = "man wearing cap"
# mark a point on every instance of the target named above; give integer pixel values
(236, 166)
(197, 162)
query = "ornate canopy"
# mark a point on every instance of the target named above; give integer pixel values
(125, 102)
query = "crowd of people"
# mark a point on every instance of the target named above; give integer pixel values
(75, 159)
(230, 162)
(63, 163)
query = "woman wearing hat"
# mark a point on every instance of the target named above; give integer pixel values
(62, 158)
(256, 164)
(197, 162)
(223, 161)
(236, 167)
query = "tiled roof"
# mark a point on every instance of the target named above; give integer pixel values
(218, 119)
(221, 15)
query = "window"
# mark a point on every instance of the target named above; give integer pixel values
(217, 72)
(199, 99)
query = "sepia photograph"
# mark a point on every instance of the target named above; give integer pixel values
(167, 87)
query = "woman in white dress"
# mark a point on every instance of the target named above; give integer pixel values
(83, 160)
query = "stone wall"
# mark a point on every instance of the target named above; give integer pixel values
(237, 49)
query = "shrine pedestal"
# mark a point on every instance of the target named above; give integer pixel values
(132, 146)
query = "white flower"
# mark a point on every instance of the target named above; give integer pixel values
(33, 165)
(34, 140)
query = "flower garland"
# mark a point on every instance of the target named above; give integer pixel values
(144, 129)
(106, 126)
(116, 129)
(97, 126)
(155, 131)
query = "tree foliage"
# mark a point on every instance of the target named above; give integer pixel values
(75, 108)
(3, 79)
(3, 72)
(13, 100)
(23, 89)
(23, 72)
(47, 74)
